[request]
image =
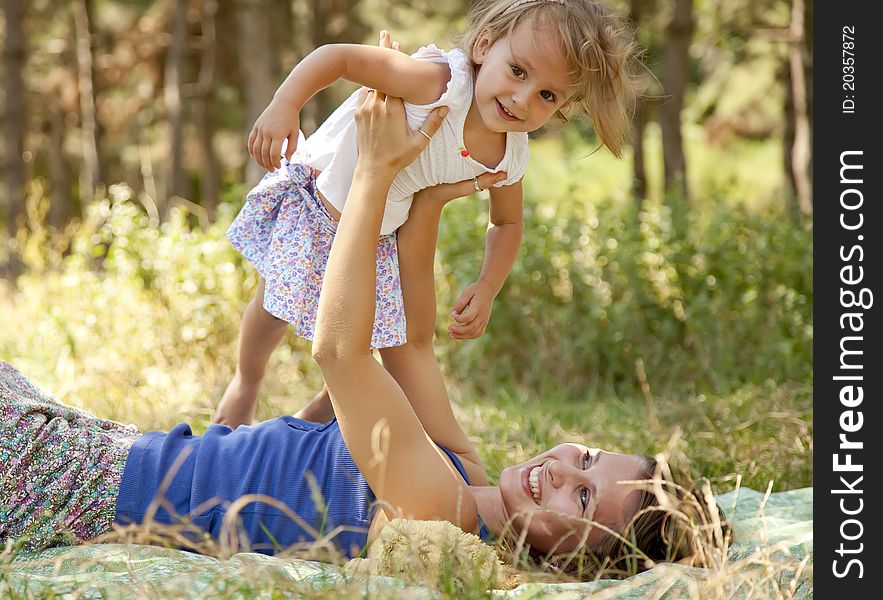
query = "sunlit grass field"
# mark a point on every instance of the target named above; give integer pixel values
(618, 328)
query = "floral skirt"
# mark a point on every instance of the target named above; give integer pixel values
(286, 232)
(60, 467)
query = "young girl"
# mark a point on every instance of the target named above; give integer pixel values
(520, 63)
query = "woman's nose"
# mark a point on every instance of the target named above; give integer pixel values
(559, 472)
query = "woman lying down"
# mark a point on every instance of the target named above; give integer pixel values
(69, 477)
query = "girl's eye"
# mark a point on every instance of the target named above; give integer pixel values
(587, 458)
(584, 498)
(547, 95)
(517, 71)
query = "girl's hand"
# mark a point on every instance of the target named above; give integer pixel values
(386, 144)
(280, 121)
(472, 311)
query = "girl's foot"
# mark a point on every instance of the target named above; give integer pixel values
(238, 404)
(319, 410)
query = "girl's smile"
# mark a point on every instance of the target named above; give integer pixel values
(521, 80)
(505, 114)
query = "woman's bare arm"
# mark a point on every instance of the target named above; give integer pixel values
(399, 460)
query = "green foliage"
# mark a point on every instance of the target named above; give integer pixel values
(117, 304)
(607, 296)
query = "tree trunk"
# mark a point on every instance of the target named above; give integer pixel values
(792, 207)
(176, 184)
(801, 152)
(61, 202)
(807, 72)
(639, 172)
(325, 28)
(14, 172)
(89, 172)
(675, 77)
(210, 176)
(258, 78)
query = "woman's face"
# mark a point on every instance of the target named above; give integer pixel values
(556, 494)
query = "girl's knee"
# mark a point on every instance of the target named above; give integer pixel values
(412, 347)
(256, 307)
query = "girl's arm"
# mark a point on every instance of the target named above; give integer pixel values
(382, 69)
(472, 310)
(406, 470)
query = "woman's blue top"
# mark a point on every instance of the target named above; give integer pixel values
(278, 458)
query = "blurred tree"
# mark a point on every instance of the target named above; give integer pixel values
(14, 173)
(173, 95)
(329, 22)
(639, 172)
(56, 142)
(257, 58)
(61, 95)
(90, 169)
(210, 175)
(807, 72)
(798, 109)
(161, 94)
(675, 77)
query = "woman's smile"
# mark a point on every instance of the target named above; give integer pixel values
(535, 485)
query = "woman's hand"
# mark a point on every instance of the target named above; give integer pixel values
(386, 144)
(445, 192)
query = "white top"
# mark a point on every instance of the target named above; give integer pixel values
(333, 150)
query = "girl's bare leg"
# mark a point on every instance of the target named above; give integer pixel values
(260, 333)
(319, 409)
(414, 365)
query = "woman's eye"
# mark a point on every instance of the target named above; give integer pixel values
(584, 498)
(547, 95)
(517, 71)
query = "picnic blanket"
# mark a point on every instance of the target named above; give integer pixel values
(772, 553)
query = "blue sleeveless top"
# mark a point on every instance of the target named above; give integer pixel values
(302, 464)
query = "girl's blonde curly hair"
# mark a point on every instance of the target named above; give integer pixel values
(600, 48)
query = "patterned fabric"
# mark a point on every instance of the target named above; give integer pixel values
(61, 467)
(286, 233)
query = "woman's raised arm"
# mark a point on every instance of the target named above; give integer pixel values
(404, 468)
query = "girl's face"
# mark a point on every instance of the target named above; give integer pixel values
(555, 494)
(522, 79)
